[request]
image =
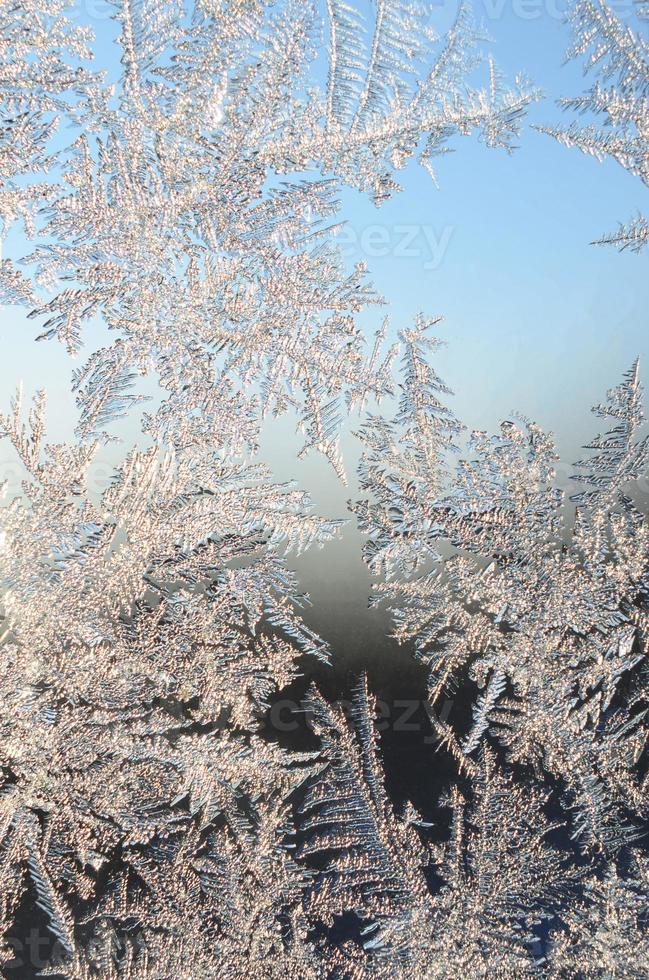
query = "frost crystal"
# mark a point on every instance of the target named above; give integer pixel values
(150, 818)
(619, 56)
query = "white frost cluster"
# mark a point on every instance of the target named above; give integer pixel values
(148, 818)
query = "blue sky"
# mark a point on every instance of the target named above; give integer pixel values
(537, 318)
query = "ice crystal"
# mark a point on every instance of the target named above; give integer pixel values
(174, 223)
(546, 610)
(619, 55)
(41, 73)
(149, 820)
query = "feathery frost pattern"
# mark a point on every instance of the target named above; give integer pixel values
(619, 55)
(150, 818)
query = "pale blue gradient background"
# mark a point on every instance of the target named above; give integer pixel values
(536, 318)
